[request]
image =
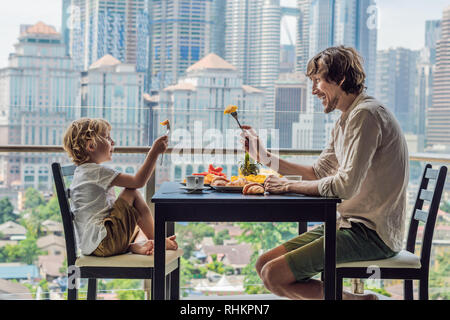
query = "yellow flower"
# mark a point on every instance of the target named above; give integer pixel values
(230, 109)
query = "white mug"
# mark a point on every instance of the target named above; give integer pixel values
(195, 182)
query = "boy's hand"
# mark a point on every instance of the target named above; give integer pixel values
(160, 145)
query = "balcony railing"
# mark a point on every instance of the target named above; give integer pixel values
(150, 187)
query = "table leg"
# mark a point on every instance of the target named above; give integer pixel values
(159, 282)
(330, 254)
(302, 227)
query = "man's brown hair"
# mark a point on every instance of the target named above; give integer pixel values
(339, 64)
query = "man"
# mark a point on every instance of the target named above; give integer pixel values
(365, 164)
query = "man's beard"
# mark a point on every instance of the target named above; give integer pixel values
(331, 105)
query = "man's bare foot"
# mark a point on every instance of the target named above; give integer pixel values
(171, 244)
(145, 248)
(351, 296)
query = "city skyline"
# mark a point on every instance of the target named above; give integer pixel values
(397, 28)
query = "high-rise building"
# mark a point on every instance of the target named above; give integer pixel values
(218, 27)
(252, 44)
(424, 85)
(115, 27)
(290, 100)
(395, 84)
(432, 35)
(438, 125)
(302, 44)
(39, 92)
(180, 34)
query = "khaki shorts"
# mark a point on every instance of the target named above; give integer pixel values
(122, 229)
(306, 252)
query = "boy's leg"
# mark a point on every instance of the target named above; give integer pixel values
(145, 222)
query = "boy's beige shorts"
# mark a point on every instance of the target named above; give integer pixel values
(122, 229)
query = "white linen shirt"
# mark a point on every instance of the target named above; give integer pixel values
(92, 200)
(367, 165)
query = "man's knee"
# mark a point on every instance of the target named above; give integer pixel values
(268, 276)
(262, 260)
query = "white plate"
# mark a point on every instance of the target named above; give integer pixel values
(195, 190)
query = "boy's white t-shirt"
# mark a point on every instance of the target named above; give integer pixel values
(92, 200)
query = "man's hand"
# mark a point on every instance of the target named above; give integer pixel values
(252, 144)
(276, 185)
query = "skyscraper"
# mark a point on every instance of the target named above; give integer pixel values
(302, 45)
(252, 44)
(424, 83)
(115, 27)
(290, 100)
(39, 92)
(180, 34)
(438, 127)
(432, 35)
(395, 84)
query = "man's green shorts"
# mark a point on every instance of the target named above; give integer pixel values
(306, 252)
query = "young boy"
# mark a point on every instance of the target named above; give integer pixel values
(107, 226)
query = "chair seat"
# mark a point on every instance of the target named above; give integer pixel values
(404, 259)
(126, 260)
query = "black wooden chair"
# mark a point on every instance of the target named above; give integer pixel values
(125, 266)
(406, 265)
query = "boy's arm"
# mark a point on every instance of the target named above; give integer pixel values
(145, 171)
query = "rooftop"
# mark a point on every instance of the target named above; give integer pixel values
(41, 28)
(211, 61)
(106, 61)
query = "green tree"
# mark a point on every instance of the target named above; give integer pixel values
(445, 206)
(33, 198)
(262, 237)
(25, 251)
(189, 271)
(126, 289)
(220, 236)
(6, 211)
(439, 282)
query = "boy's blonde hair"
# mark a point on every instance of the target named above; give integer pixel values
(79, 133)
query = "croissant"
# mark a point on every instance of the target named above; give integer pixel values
(237, 183)
(253, 188)
(219, 182)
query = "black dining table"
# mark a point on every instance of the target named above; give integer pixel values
(173, 203)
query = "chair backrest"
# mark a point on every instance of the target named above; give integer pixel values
(67, 216)
(426, 215)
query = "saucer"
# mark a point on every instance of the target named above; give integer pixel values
(195, 190)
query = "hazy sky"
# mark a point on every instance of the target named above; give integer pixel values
(402, 22)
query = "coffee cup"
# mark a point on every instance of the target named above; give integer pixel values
(293, 177)
(195, 182)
